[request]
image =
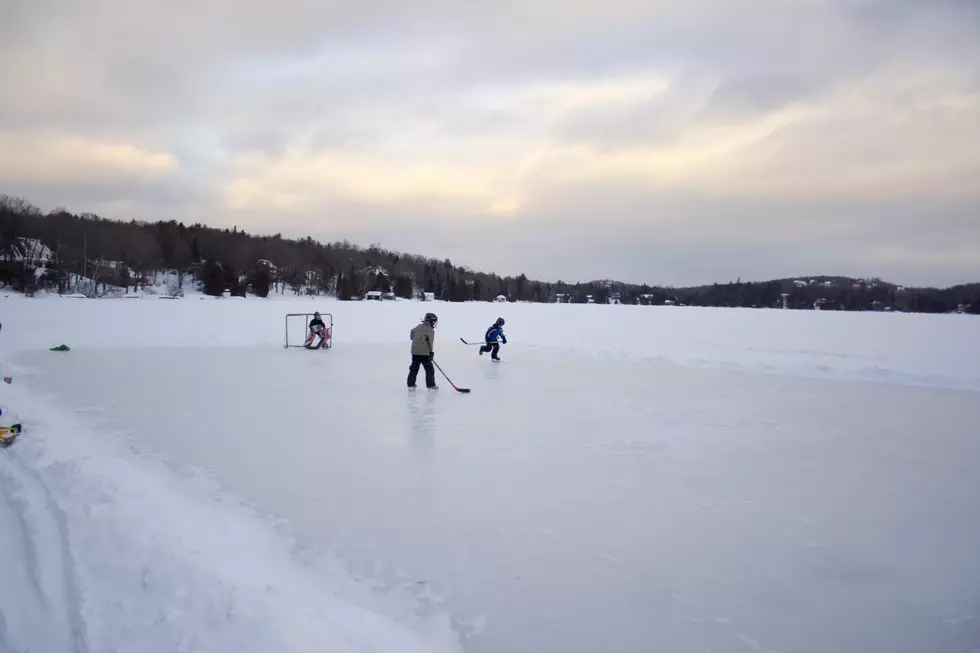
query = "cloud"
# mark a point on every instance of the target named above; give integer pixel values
(75, 161)
(297, 181)
(543, 140)
(705, 127)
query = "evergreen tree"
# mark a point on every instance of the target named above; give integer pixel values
(403, 286)
(521, 288)
(346, 288)
(236, 288)
(260, 280)
(212, 279)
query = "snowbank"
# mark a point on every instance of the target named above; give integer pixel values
(107, 549)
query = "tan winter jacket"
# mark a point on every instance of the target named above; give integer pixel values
(423, 340)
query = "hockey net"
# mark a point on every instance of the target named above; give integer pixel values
(298, 329)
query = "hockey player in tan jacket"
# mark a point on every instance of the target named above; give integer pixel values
(423, 342)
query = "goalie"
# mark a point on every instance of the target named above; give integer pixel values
(317, 329)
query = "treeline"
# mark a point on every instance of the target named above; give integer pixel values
(835, 293)
(91, 254)
(71, 253)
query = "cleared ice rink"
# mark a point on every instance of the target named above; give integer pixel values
(574, 501)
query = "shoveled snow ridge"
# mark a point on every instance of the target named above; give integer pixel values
(107, 549)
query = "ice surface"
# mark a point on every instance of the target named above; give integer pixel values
(916, 349)
(625, 480)
(104, 550)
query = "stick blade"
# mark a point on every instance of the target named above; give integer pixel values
(463, 390)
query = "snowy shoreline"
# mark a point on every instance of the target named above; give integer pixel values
(141, 526)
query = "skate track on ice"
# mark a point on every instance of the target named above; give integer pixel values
(588, 495)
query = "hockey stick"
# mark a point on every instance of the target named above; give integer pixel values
(481, 343)
(455, 387)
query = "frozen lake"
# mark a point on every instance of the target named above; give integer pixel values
(576, 502)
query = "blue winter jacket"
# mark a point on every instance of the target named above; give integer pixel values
(495, 332)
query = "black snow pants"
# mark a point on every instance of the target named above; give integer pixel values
(413, 371)
(493, 346)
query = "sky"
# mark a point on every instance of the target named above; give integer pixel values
(651, 141)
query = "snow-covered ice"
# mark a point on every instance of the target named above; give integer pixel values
(629, 478)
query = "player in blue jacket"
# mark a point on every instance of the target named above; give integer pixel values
(495, 331)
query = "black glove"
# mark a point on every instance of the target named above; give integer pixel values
(432, 355)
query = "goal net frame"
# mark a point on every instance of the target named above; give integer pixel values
(327, 319)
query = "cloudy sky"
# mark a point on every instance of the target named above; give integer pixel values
(660, 141)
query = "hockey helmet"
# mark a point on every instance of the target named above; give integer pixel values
(500, 321)
(431, 319)
(317, 314)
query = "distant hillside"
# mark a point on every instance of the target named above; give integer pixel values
(835, 293)
(66, 253)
